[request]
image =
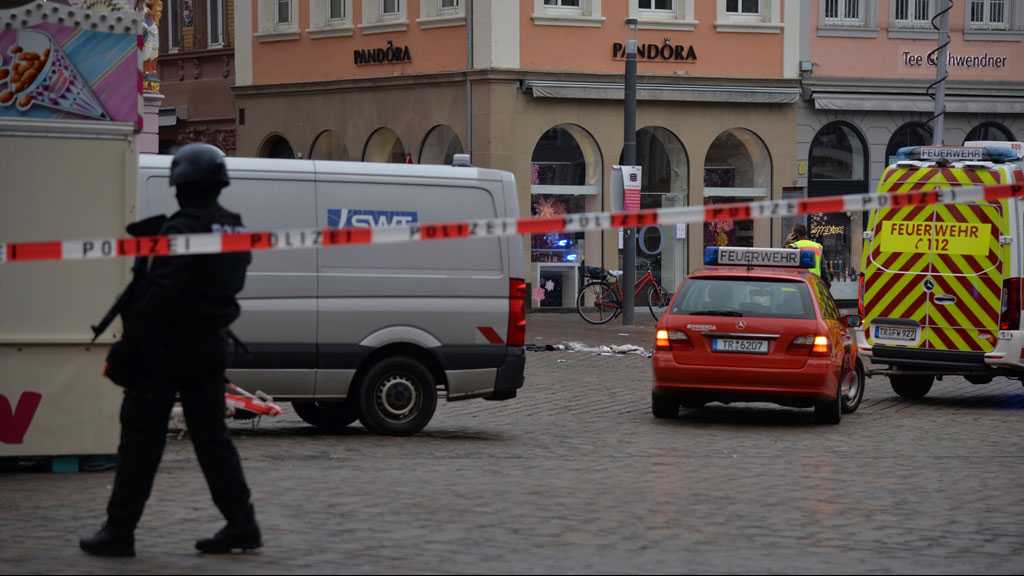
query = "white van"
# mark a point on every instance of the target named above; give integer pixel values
(940, 287)
(373, 333)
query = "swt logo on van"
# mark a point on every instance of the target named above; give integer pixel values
(348, 218)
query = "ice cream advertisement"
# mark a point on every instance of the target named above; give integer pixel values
(67, 62)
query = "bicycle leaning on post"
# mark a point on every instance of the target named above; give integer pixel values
(600, 300)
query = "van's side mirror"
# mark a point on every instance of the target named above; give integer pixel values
(854, 321)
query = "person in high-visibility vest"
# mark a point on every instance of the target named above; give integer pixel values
(798, 239)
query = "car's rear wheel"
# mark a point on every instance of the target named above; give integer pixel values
(912, 386)
(397, 397)
(664, 406)
(331, 416)
(853, 389)
(829, 411)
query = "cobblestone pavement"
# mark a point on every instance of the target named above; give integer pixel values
(576, 476)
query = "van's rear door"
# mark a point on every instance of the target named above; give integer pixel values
(969, 265)
(895, 294)
(934, 274)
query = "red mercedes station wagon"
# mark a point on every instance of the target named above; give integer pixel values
(756, 326)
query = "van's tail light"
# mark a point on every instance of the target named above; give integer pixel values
(671, 340)
(860, 294)
(516, 312)
(1009, 312)
(812, 345)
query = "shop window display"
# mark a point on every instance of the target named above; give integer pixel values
(557, 247)
(737, 169)
(665, 171)
(725, 232)
(839, 165)
(560, 184)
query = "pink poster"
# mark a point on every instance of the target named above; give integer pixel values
(64, 62)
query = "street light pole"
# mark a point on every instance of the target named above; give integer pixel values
(629, 159)
(942, 73)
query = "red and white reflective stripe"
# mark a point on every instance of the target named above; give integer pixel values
(490, 334)
(299, 239)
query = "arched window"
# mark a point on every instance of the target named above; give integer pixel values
(276, 146)
(838, 165)
(737, 168)
(565, 178)
(991, 132)
(440, 146)
(326, 147)
(910, 134)
(385, 146)
(666, 177)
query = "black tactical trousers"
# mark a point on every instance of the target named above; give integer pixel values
(199, 378)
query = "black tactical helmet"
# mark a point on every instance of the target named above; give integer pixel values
(199, 164)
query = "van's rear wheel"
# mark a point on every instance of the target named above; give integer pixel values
(331, 416)
(397, 397)
(911, 386)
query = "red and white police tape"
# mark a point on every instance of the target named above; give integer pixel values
(296, 239)
(258, 403)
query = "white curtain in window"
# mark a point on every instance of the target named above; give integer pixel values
(216, 22)
(916, 11)
(842, 9)
(743, 6)
(337, 10)
(173, 37)
(997, 11)
(657, 5)
(985, 13)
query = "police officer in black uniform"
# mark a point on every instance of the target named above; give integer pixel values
(177, 318)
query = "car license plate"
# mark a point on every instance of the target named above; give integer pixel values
(908, 334)
(741, 346)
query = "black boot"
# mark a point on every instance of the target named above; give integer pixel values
(109, 542)
(240, 535)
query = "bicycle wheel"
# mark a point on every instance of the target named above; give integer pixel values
(597, 303)
(657, 301)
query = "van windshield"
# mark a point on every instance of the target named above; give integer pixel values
(745, 298)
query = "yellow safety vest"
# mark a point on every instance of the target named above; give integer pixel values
(814, 246)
